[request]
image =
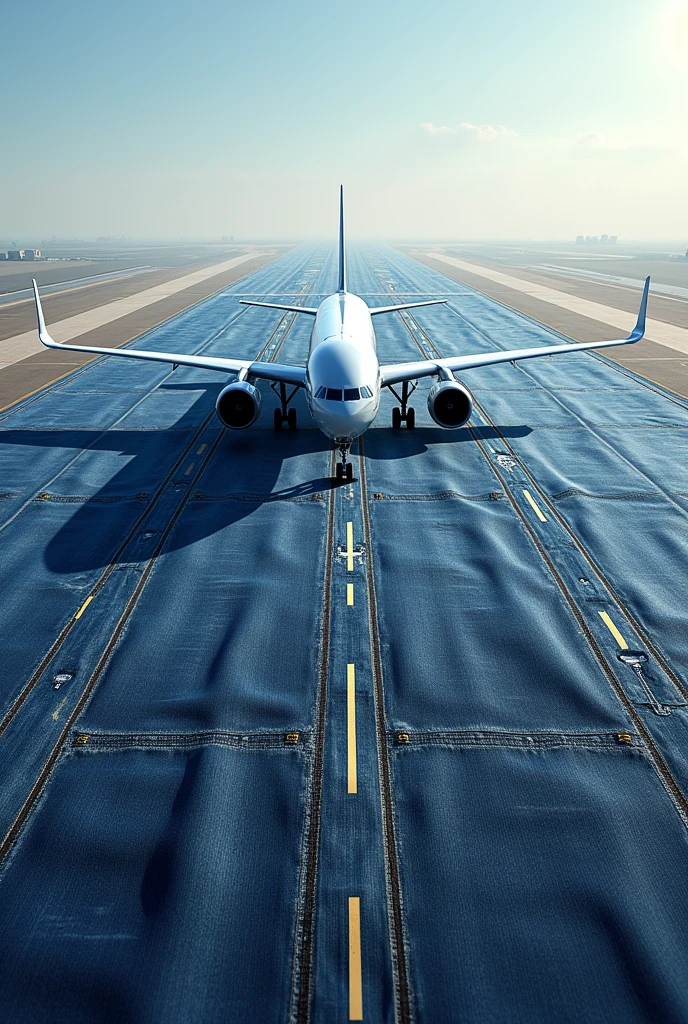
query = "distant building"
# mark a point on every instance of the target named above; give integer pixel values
(594, 240)
(32, 254)
(15, 254)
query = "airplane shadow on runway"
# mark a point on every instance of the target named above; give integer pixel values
(248, 469)
(401, 444)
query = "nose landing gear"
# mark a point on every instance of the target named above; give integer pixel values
(345, 469)
(406, 414)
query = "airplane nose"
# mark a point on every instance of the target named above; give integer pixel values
(345, 421)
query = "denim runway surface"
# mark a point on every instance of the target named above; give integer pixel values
(410, 749)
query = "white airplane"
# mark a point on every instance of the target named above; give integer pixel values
(343, 378)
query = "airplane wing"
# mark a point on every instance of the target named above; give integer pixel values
(281, 372)
(394, 373)
(311, 310)
(374, 310)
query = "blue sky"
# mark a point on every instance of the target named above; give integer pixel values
(442, 119)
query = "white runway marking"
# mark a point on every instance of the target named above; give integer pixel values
(658, 331)
(22, 345)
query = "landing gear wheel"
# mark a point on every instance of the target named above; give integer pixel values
(284, 414)
(404, 413)
(345, 469)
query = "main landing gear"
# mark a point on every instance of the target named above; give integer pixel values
(283, 414)
(345, 469)
(406, 414)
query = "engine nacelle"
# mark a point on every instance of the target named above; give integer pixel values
(449, 404)
(238, 405)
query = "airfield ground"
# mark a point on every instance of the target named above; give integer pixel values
(406, 749)
(25, 366)
(605, 281)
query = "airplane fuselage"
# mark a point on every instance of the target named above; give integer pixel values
(343, 374)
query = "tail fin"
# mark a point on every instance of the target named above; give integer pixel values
(341, 287)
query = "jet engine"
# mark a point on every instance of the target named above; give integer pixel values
(238, 405)
(449, 404)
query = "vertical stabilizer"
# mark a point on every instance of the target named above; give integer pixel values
(341, 287)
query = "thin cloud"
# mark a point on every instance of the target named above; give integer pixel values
(596, 144)
(483, 132)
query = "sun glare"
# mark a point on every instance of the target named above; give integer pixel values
(675, 34)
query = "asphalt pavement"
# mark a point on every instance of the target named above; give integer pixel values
(549, 295)
(406, 749)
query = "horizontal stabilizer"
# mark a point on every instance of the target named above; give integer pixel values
(405, 305)
(276, 305)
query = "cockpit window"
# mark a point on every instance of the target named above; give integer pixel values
(350, 394)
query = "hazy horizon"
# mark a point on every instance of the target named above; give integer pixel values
(114, 241)
(498, 123)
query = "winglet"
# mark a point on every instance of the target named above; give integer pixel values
(639, 329)
(43, 335)
(341, 286)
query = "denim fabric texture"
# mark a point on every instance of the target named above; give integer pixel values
(186, 816)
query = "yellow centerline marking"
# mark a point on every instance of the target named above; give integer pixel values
(535, 507)
(201, 449)
(349, 593)
(352, 773)
(190, 468)
(350, 547)
(614, 631)
(56, 712)
(355, 979)
(84, 606)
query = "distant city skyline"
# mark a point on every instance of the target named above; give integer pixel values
(534, 121)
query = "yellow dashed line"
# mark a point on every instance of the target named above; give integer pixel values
(614, 631)
(355, 979)
(349, 593)
(535, 507)
(84, 607)
(56, 712)
(352, 772)
(201, 449)
(190, 468)
(350, 547)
